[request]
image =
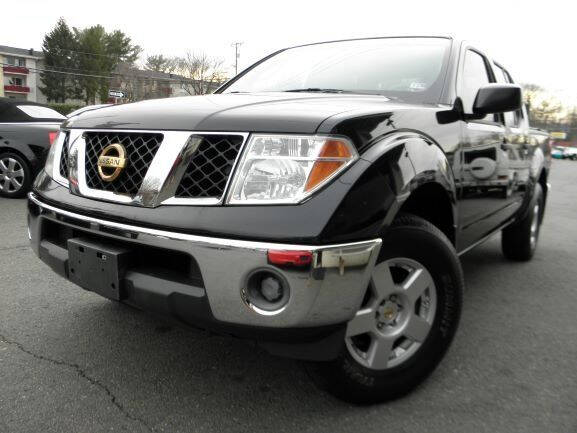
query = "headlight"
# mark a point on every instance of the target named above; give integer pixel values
(55, 148)
(288, 168)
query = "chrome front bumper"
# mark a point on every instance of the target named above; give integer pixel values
(329, 292)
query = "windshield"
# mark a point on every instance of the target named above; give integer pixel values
(409, 69)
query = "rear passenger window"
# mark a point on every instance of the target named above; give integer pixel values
(475, 75)
(502, 77)
(513, 119)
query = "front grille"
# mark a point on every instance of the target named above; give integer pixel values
(64, 157)
(210, 167)
(140, 151)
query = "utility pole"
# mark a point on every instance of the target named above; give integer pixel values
(236, 55)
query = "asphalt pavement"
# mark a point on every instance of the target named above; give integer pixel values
(71, 361)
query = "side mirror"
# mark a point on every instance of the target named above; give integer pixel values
(497, 98)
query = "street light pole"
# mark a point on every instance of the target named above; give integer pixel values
(236, 55)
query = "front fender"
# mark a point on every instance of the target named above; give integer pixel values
(397, 164)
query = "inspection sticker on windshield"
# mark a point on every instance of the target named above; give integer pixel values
(417, 86)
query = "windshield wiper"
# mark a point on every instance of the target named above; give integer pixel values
(316, 89)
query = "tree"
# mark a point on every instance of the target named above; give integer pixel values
(530, 92)
(572, 123)
(58, 47)
(159, 63)
(98, 54)
(200, 74)
(545, 114)
(572, 118)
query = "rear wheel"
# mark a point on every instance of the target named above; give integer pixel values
(15, 175)
(406, 321)
(519, 240)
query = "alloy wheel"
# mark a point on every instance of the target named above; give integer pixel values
(396, 315)
(11, 175)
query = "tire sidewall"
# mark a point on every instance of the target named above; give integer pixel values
(516, 238)
(437, 255)
(537, 199)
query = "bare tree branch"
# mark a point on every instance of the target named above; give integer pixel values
(201, 74)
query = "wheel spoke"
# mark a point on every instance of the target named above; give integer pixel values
(416, 283)
(380, 352)
(3, 166)
(383, 280)
(417, 328)
(6, 186)
(363, 322)
(15, 183)
(19, 173)
(11, 164)
(402, 311)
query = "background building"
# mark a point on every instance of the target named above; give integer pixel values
(21, 68)
(18, 73)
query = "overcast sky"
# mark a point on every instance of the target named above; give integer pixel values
(534, 40)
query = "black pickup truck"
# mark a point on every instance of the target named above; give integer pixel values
(316, 203)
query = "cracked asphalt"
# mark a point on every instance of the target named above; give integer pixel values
(71, 361)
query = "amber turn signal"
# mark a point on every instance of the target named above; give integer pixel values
(333, 155)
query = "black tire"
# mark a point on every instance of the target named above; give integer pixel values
(10, 190)
(416, 239)
(518, 242)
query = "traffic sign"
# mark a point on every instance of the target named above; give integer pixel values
(115, 94)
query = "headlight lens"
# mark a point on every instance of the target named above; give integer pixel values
(288, 168)
(54, 146)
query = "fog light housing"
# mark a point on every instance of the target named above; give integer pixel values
(266, 292)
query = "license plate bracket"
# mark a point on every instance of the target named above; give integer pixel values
(97, 266)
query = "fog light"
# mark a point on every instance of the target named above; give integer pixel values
(266, 292)
(271, 289)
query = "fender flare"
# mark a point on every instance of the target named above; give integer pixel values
(538, 167)
(405, 161)
(429, 162)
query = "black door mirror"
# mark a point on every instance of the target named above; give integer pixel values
(497, 98)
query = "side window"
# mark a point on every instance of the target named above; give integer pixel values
(519, 114)
(475, 75)
(511, 119)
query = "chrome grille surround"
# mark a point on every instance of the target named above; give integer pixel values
(161, 180)
(63, 163)
(61, 146)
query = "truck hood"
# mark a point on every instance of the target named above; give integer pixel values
(254, 112)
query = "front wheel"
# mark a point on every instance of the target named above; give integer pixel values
(407, 320)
